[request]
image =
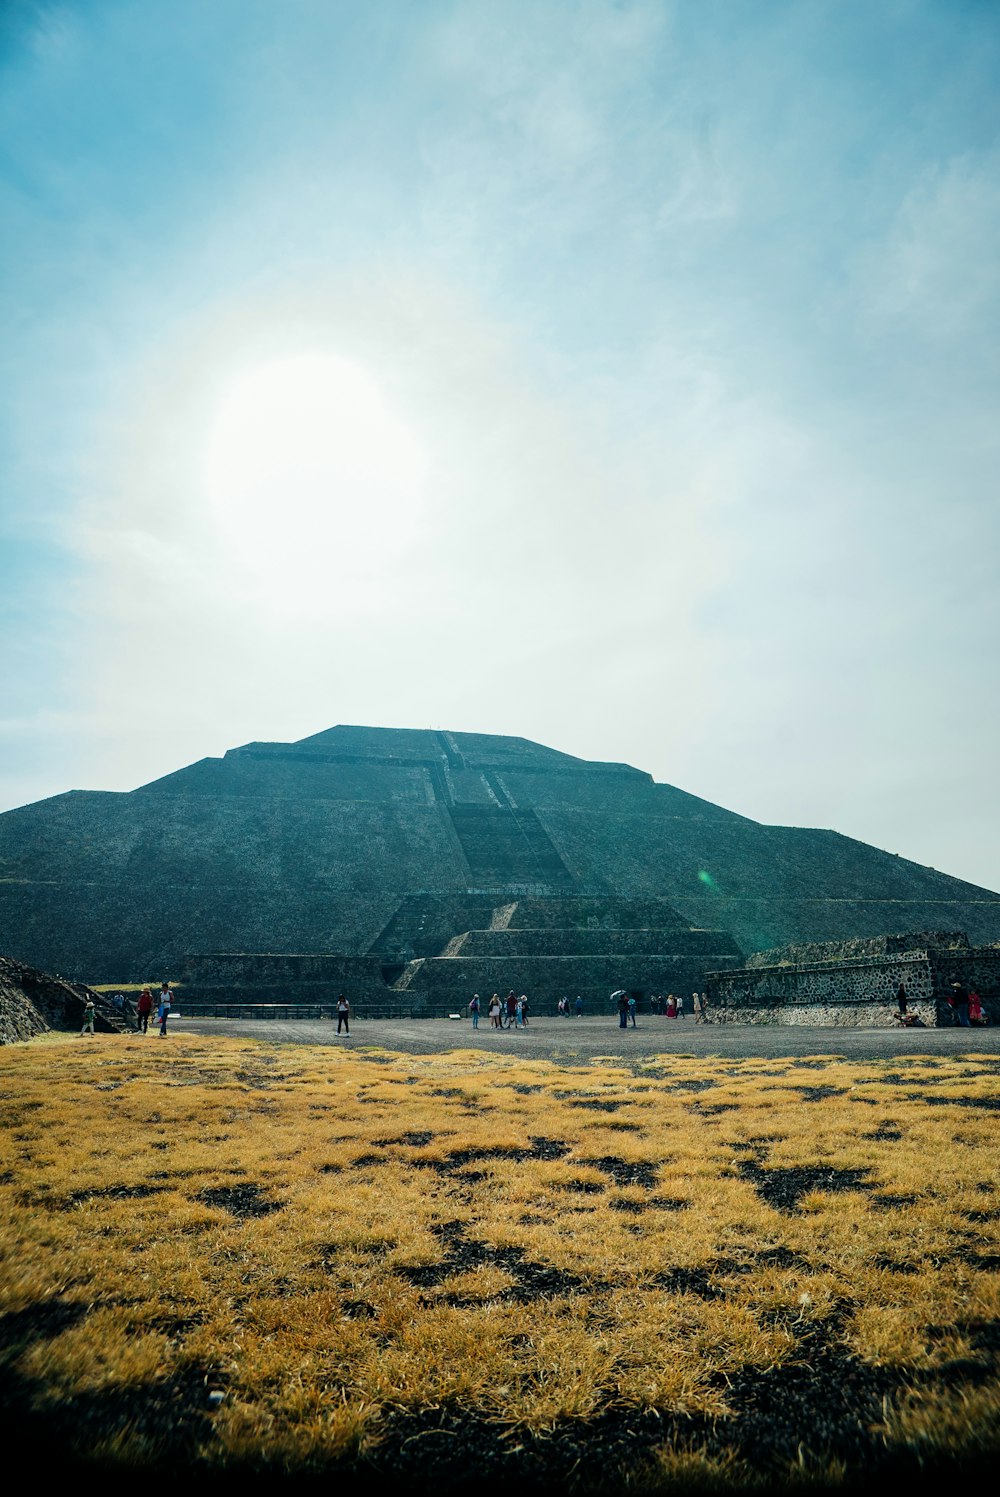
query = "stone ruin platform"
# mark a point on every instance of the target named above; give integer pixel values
(32, 1002)
(853, 984)
(543, 946)
(583, 946)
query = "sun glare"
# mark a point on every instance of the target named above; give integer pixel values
(309, 476)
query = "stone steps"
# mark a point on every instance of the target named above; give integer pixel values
(502, 845)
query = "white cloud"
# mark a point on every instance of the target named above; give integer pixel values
(936, 270)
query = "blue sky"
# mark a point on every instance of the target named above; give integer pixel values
(621, 375)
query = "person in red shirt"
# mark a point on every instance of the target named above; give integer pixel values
(145, 1008)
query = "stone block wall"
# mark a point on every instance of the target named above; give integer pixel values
(978, 968)
(272, 773)
(860, 990)
(832, 1016)
(32, 1002)
(604, 912)
(282, 977)
(586, 945)
(423, 924)
(454, 979)
(19, 1018)
(860, 947)
(873, 981)
(713, 947)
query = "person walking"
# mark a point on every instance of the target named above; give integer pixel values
(474, 1010)
(631, 1009)
(145, 1008)
(511, 1009)
(88, 1017)
(343, 1015)
(671, 1006)
(524, 1010)
(163, 1010)
(901, 999)
(579, 1006)
(700, 1006)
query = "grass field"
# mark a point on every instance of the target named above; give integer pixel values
(462, 1270)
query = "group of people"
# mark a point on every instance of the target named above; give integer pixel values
(504, 1013)
(164, 1004)
(966, 1008)
(563, 1007)
(670, 1007)
(512, 1012)
(140, 1015)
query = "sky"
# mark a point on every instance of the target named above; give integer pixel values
(620, 374)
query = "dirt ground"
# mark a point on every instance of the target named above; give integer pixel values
(573, 1039)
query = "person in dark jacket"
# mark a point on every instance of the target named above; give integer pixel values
(960, 1004)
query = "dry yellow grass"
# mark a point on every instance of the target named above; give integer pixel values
(683, 1269)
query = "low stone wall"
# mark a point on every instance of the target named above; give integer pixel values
(874, 981)
(829, 1015)
(859, 948)
(860, 991)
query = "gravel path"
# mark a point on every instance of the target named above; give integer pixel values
(582, 1039)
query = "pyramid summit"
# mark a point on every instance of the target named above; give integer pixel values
(392, 841)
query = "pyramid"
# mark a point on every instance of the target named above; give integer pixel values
(392, 841)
